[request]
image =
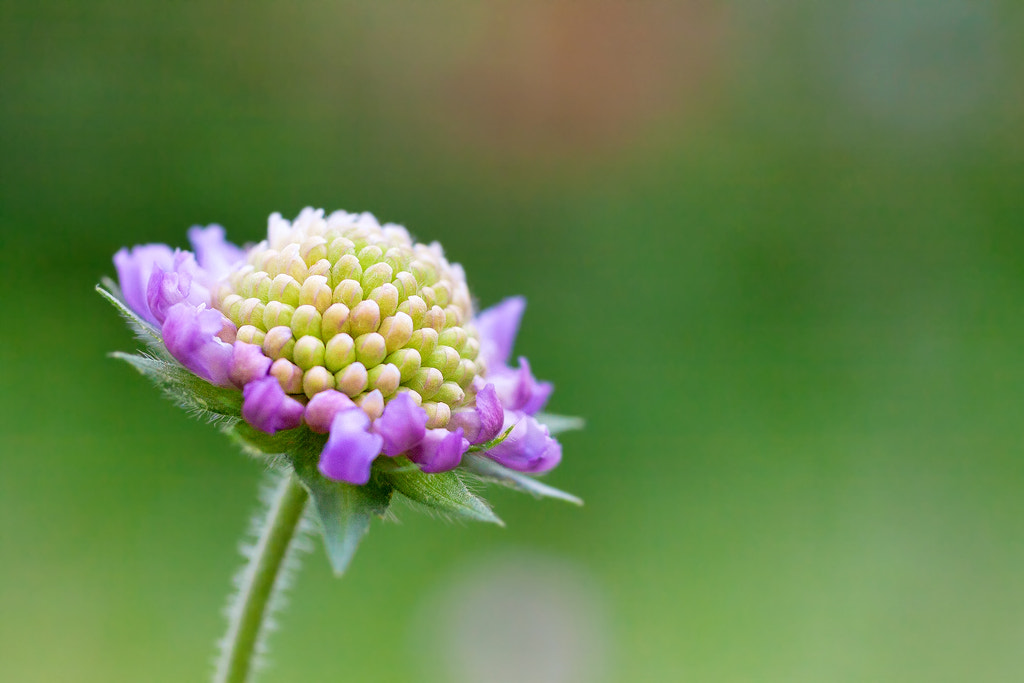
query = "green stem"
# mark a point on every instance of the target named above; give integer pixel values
(260, 577)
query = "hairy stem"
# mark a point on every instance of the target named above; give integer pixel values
(262, 576)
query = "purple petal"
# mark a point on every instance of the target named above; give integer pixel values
(176, 285)
(350, 449)
(190, 334)
(439, 451)
(267, 408)
(215, 254)
(498, 326)
(402, 425)
(248, 364)
(528, 447)
(323, 407)
(134, 269)
(518, 390)
(482, 422)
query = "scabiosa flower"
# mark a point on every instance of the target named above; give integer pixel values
(337, 314)
(349, 356)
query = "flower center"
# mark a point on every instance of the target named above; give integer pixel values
(343, 303)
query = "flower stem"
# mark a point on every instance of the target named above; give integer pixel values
(261, 576)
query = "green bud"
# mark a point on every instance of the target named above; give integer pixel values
(397, 331)
(426, 382)
(434, 318)
(313, 249)
(335, 321)
(385, 378)
(454, 337)
(386, 296)
(372, 404)
(425, 273)
(415, 308)
(347, 267)
(375, 275)
(450, 393)
(251, 335)
(471, 349)
(340, 351)
(364, 318)
(321, 268)
(316, 379)
(370, 349)
(424, 341)
(438, 414)
(465, 373)
(309, 352)
(285, 289)
(338, 248)
(370, 255)
(444, 358)
(316, 292)
(348, 292)
(288, 375)
(279, 343)
(306, 321)
(406, 284)
(250, 313)
(407, 361)
(277, 314)
(352, 380)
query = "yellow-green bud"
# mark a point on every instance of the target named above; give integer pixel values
(251, 335)
(335, 321)
(340, 351)
(352, 380)
(385, 377)
(372, 404)
(279, 343)
(438, 414)
(306, 321)
(348, 292)
(370, 349)
(285, 289)
(316, 292)
(426, 382)
(309, 352)
(277, 314)
(407, 361)
(365, 317)
(288, 375)
(317, 379)
(386, 296)
(397, 331)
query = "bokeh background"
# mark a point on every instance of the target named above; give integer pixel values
(774, 254)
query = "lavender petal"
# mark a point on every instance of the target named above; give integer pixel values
(190, 334)
(439, 451)
(498, 326)
(402, 425)
(528, 447)
(267, 408)
(351, 449)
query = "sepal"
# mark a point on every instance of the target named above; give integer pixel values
(488, 470)
(442, 492)
(144, 330)
(185, 389)
(344, 512)
(559, 424)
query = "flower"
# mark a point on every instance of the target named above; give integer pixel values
(340, 326)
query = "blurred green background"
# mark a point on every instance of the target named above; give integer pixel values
(774, 253)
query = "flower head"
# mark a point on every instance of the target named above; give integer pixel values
(338, 325)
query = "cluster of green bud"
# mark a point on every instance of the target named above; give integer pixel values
(343, 303)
